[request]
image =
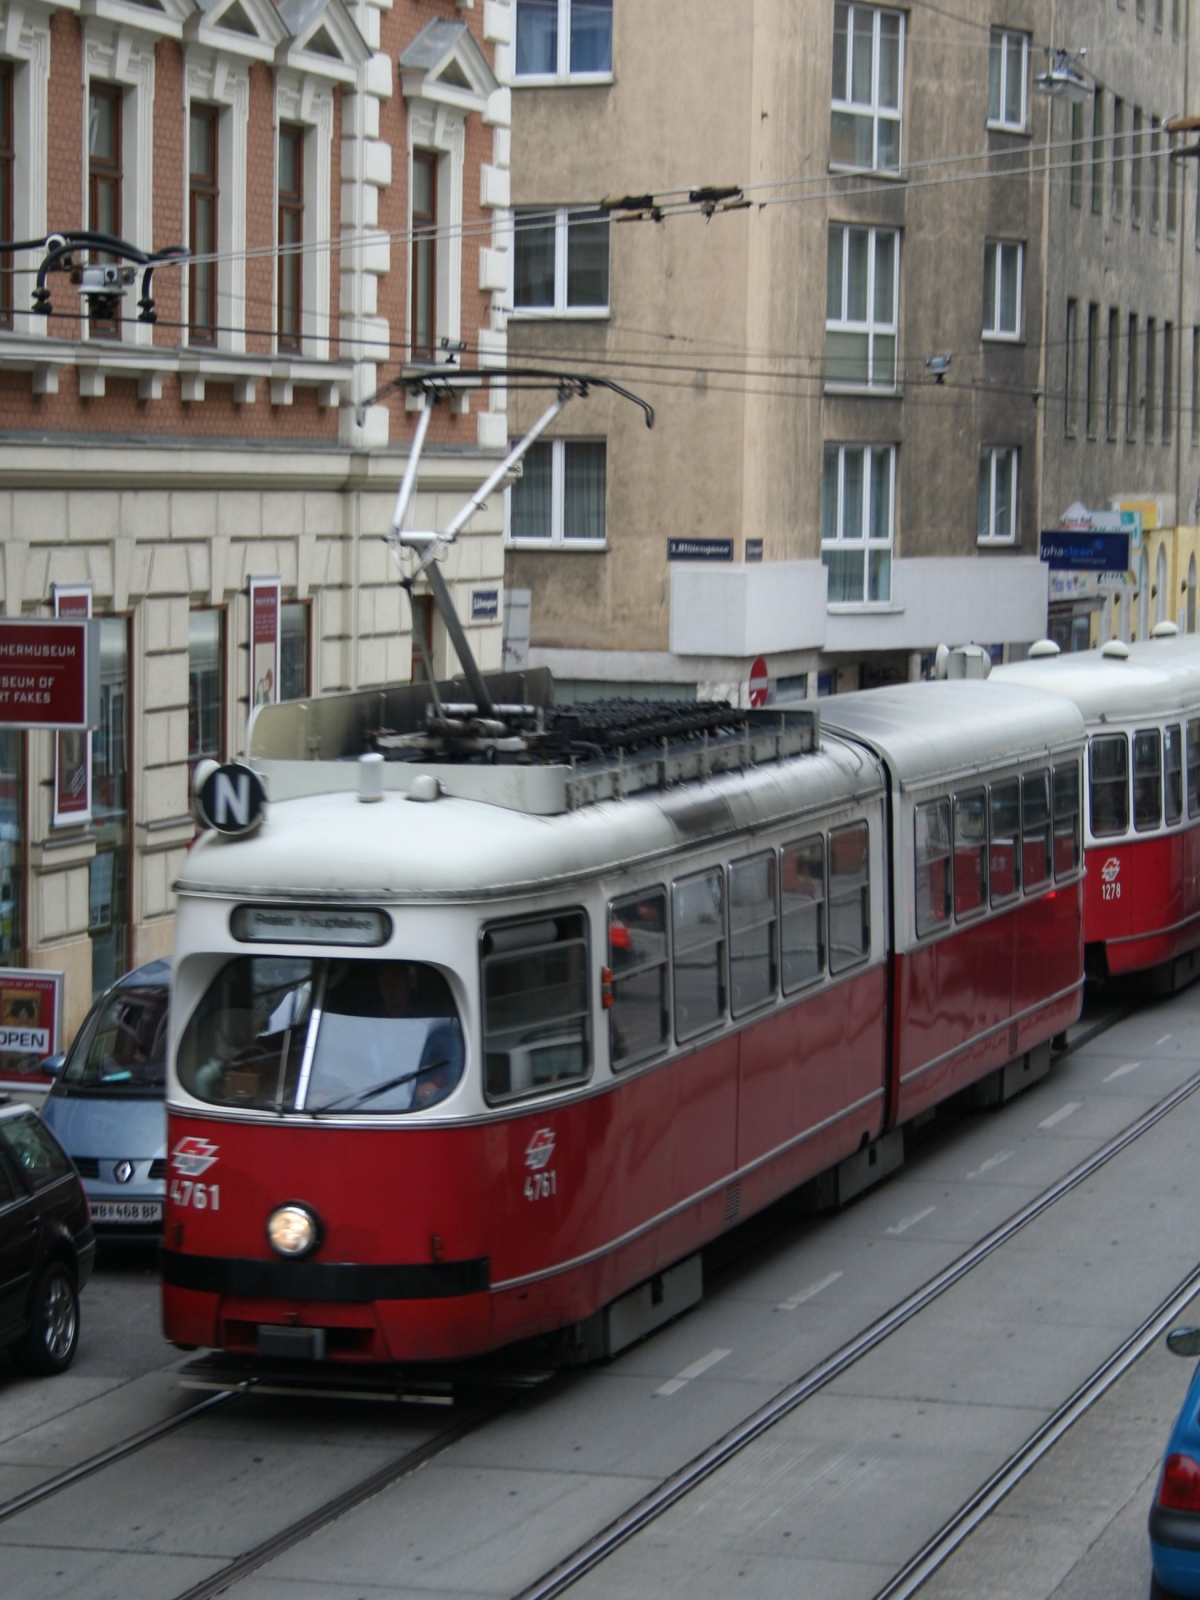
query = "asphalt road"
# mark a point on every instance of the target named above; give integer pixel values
(829, 1503)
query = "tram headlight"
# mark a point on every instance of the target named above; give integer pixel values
(293, 1230)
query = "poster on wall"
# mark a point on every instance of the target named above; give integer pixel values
(264, 641)
(72, 749)
(30, 1025)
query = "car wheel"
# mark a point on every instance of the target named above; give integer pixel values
(49, 1343)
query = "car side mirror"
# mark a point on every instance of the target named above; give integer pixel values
(53, 1065)
(1184, 1341)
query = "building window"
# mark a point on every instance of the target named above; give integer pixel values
(104, 177)
(1097, 150)
(560, 497)
(1093, 370)
(1113, 374)
(998, 496)
(290, 288)
(1070, 401)
(1155, 174)
(206, 687)
(863, 288)
(1168, 382)
(1008, 70)
(560, 261)
(1135, 181)
(1131, 377)
(109, 911)
(423, 274)
(1151, 399)
(1118, 157)
(564, 39)
(1076, 184)
(1172, 190)
(294, 652)
(868, 65)
(12, 848)
(424, 614)
(1002, 290)
(203, 200)
(857, 521)
(7, 177)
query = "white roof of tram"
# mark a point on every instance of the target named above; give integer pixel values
(330, 845)
(937, 730)
(1158, 677)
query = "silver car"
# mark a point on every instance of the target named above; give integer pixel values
(107, 1106)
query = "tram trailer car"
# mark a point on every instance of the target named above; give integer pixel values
(496, 1055)
(1141, 704)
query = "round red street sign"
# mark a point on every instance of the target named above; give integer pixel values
(759, 683)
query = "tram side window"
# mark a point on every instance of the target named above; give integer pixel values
(932, 823)
(1004, 861)
(802, 883)
(1109, 761)
(637, 955)
(970, 852)
(1147, 779)
(753, 958)
(536, 1012)
(1066, 819)
(698, 912)
(1193, 768)
(1173, 773)
(849, 896)
(1035, 829)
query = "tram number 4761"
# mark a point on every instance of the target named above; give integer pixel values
(202, 1196)
(540, 1185)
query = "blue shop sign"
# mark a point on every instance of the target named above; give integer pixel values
(699, 549)
(1074, 550)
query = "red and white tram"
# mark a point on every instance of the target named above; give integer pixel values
(1141, 704)
(493, 1050)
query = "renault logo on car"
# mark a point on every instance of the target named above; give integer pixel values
(123, 1171)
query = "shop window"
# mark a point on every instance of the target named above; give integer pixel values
(294, 652)
(12, 848)
(206, 687)
(108, 872)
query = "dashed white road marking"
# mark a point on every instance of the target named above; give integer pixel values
(1121, 1072)
(810, 1293)
(990, 1163)
(906, 1223)
(673, 1385)
(1163, 1040)
(1061, 1115)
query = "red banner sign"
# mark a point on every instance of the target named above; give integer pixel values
(49, 673)
(264, 641)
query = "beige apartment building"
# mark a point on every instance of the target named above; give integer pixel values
(866, 409)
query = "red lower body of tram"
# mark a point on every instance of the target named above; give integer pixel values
(1143, 901)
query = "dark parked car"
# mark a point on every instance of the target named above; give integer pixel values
(46, 1243)
(107, 1107)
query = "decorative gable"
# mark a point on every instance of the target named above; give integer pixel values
(444, 64)
(239, 27)
(322, 39)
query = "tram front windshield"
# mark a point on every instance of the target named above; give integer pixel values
(282, 1033)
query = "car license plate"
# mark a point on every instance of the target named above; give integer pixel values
(127, 1210)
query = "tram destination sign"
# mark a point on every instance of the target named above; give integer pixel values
(49, 672)
(1084, 550)
(310, 925)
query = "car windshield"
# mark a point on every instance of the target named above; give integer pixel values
(281, 1033)
(124, 1049)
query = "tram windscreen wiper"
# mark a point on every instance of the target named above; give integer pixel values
(367, 1094)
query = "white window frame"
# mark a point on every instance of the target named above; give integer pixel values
(558, 492)
(561, 217)
(563, 73)
(433, 127)
(991, 324)
(1003, 37)
(870, 327)
(842, 542)
(992, 454)
(873, 109)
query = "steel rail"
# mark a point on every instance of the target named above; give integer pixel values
(984, 1501)
(118, 1452)
(686, 1478)
(356, 1495)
